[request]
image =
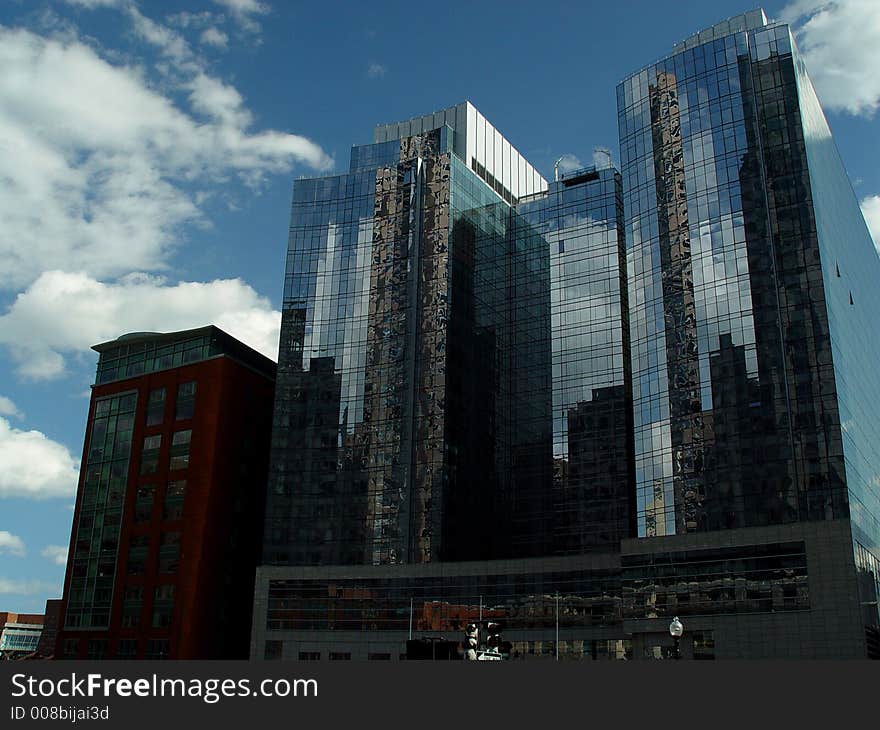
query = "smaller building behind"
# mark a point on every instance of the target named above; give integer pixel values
(167, 525)
(19, 634)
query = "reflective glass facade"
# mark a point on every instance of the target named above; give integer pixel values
(736, 423)
(581, 222)
(850, 272)
(454, 376)
(752, 376)
(774, 591)
(412, 418)
(93, 566)
(664, 369)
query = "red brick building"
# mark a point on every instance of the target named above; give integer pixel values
(168, 519)
(51, 617)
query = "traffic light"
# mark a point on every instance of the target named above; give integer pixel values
(493, 635)
(494, 642)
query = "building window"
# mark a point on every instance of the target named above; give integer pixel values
(157, 649)
(156, 407)
(379, 656)
(186, 401)
(163, 606)
(97, 649)
(150, 454)
(169, 552)
(132, 603)
(126, 649)
(138, 550)
(340, 656)
(93, 563)
(704, 644)
(70, 649)
(273, 650)
(175, 491)
(143, 506)
(310, 656)
(180, 449)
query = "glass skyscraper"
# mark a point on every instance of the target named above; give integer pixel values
(752, 288)
(413, 395)
(593, 403)
(454, 372)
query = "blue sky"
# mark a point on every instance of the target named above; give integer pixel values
(147, 151)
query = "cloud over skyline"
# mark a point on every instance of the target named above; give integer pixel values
(11, 544)
(34, 466)
(29, 587)
(63, 313)
(840, 42)
(56, 553)
(871, 210)
(105, 157)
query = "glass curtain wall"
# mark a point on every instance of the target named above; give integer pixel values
(580, 221)
(734, 414)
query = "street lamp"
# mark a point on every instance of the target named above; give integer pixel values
(676, 629)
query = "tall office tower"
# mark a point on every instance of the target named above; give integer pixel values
(580, 219)
(451, 431)
(752, 294)
(413, 404)
(168, 517)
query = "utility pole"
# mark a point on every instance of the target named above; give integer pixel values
(557, 626)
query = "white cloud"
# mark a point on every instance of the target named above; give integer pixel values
(56, 553)
(91, 4)
(376, 70)
(33, 465)
(186, 19)
(218, 101)
(28, 587)
(169, 42)
(871, 211)
(64, 313)
(8, 408)
(244, 11)
(840, 41)
(91, 155)
(214, 37)
(569, 162)
(11, 544)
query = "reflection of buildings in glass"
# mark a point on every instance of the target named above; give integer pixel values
(729, 457)
(594, 506)
(580, 222)
(399, 275)
(738, 264)
(743, 230)
(701, 381)
(679, 306)
(315, 435)
(472, 406)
